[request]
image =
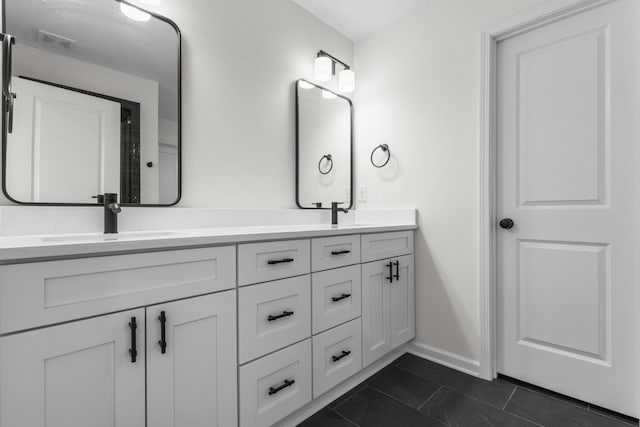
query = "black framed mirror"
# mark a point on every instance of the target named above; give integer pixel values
(92, 103)
(324, 147)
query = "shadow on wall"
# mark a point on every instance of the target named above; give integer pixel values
(455, 334)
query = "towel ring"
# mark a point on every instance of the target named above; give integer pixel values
(329, 160)
(385, 148)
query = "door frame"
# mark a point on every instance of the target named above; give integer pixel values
(544, 14)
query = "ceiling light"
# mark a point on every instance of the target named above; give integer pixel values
(346, 81)
(323, 69)
(134, 13)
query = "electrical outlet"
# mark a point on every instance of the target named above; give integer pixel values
(347, 193)
(362, 193)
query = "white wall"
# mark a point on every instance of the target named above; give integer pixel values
(418, 92)
(240, 61)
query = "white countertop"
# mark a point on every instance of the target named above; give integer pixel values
(25, 248)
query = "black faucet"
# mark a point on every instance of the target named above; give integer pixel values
(334, 212)
(111, 211)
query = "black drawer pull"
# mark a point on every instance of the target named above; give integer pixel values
(285, 384)
(279, 261)
(340, 252)
(272, 317)
(341, 297)
(390, 276)
(133, 351)
(344, 353)
(163, 333)
(397, 275)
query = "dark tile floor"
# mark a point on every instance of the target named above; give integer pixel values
(415, 392)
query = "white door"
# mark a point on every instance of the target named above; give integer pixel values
(65, 145)
(194, 382)
(567, 176)
(402, 294)
(76, 374)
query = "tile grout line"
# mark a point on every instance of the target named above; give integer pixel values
(391, 397)
(510, 397)
(551, 396)
(345, 418)
(429, 398)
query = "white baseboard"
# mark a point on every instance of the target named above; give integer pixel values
(320, 402)
(442, 357)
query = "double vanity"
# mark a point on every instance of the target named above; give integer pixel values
(213, 326)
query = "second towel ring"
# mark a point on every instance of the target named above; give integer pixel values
(329, 160)
(385, 148)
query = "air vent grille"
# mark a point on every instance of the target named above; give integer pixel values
(55, 40)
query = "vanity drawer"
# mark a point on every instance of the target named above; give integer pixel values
(43, 293)
(336, 297)
(337, 355)
(261, 262)
(273, 315)
(386, 245)
(333, 252)
(275, 386)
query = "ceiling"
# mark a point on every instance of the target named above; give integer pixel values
(359, 18)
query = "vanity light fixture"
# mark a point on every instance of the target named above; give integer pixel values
(325, 69)
(134, 13)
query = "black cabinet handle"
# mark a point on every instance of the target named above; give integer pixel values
(133, 351)
(340, 252)
(273, 317)
(344, 353)
(279, 261)
(397, 275)
(340, 298)
(285, 384)
(390, 276)
(163, 338)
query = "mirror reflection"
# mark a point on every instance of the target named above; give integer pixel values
(324, 138)
(97, 103)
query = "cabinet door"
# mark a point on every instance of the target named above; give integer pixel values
(403, 312)
(194, 382)
(75, 374)
(376, 311)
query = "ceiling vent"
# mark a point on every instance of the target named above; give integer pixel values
(54, 40)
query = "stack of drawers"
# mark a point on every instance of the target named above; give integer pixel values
(281, 332)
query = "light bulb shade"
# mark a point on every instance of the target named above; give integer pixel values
(134, 13)
(305, 85)
(346, 81)
(323, 69)
(328, 95)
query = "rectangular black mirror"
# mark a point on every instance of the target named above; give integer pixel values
(324, 145)
(92, 103)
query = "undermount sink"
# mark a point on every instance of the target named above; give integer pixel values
(110, 237)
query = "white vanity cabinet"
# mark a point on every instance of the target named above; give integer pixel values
(388, 295)
(105, 370)
(192, 383)
(75, 374)
(238, 335)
